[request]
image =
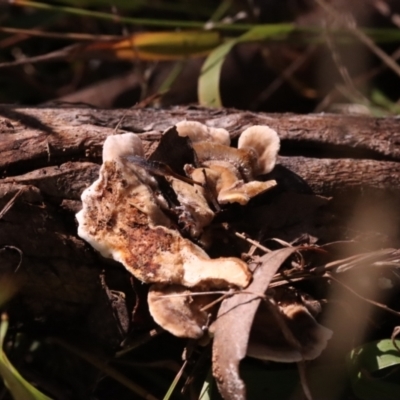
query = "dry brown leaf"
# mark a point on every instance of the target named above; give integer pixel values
(174, 151)
(232, 327)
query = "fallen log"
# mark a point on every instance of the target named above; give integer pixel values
(50, 155)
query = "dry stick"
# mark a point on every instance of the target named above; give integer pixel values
(347, 79)
(384, 9)
(375, 303)
(285, 75)
(10, 203)
(228, 294)
(361, 259)
(337, 263)
(223, 292)
(219, 300)
(363, 38)
(141, 341)
(284, 278)
(330, 97)
(19, 251)
(103, 366)
(120, 121)
(282, 242)
(57, 35)
(253, 242)
(175, 381)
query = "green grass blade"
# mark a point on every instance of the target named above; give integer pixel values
(172, 387)
(208, 84)
(267, 32)
(16, 384)
(206, 390)
(209, 80)
(167, 23)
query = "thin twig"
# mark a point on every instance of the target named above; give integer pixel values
(223, 292)
(10, 203)
(103, 366)
(19, 251)
(253, 242)
(175, 381)
(140, 341)
(375, 303)
(362, 37)
(347, 79)
(213, 303)
(58, 35)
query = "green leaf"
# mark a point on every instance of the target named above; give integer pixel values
(379, 98)
(17, 385)
(208, 84)
(207, 388)
(366, 365)
(209, 80)
(154, 46)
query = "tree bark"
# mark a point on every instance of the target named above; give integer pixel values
(49, 156)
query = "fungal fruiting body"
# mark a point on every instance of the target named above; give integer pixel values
(231, 172)
(268, 343)
(123, 217)
(175, 309)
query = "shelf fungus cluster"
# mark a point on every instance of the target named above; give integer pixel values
(127, 216)
(298, 312)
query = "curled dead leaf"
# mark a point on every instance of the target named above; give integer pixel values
(231, 338)
(173, 308)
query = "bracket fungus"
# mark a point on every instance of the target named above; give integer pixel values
(125, 217)
(195, 211)
(267, 341)
(231, 172)
(198, 132)
(181, 314)
(122, 217)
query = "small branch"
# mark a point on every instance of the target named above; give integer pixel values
(375, 303)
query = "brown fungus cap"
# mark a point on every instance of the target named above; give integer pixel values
(267, 341)
(229, 172)
(177, 311)
(265, 142)
(121, 217)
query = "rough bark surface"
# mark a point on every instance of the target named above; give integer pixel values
(49, 156)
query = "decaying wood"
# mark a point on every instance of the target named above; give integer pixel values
(34, 138)
(51, 155)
